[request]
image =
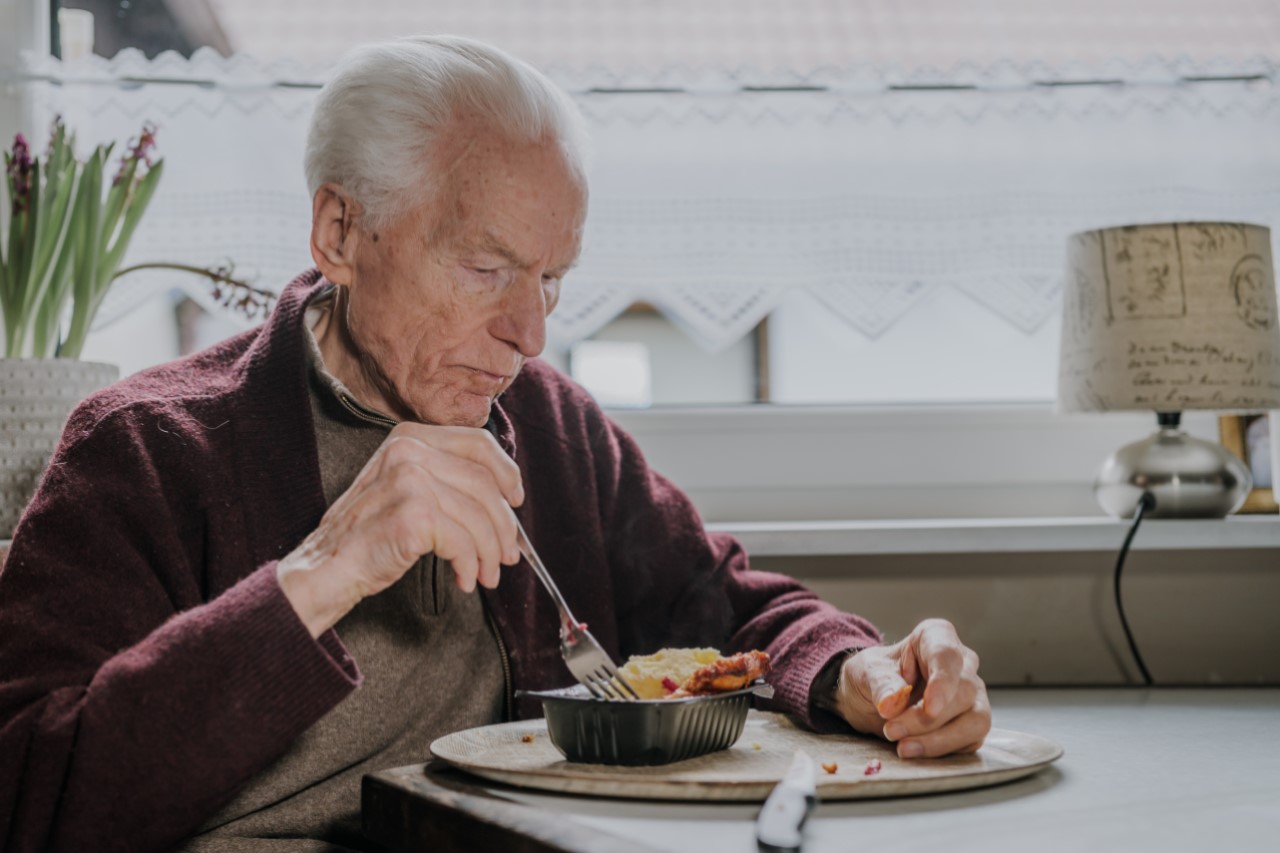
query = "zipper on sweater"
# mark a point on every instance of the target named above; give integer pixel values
(508, 697)
(367, 415)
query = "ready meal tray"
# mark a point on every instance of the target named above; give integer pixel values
(645, 732)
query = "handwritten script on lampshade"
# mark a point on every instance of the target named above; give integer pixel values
(1170, 317)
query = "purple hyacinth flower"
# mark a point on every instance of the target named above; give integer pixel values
(19, 174)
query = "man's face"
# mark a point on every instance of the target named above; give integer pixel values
(449, 300)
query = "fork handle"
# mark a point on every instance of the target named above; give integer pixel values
(526, 548)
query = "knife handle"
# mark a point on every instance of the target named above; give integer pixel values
(781, 819)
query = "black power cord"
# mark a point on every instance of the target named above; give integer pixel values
(1145, 504)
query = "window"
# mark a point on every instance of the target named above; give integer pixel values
(880, 192)
(843, 202)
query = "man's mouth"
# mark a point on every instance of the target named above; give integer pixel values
(488, 377)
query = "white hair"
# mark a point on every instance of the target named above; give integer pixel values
(377, 119)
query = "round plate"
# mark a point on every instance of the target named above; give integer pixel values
(521, 754)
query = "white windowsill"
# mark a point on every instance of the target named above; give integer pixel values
(995, 535)
(798, 464)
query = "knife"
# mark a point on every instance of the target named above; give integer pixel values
(784, 813)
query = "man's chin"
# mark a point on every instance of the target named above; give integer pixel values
(472, 410)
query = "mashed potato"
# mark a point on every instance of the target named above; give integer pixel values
(646, 672)
(680, 673)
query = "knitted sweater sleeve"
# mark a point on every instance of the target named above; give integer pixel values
(678, 585)
(131, 707)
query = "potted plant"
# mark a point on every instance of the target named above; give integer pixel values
(69, 226)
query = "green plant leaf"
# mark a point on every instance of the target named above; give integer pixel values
(133, 215)
(117, 198)
(55, 291)
(84, 312)
(71, 257)
(15, 326)
(88, 232)
(13, 252)
(55, 220)
(7, 217)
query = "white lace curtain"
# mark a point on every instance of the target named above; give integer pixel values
(858, 185)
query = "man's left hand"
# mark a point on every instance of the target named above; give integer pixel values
(923, 693)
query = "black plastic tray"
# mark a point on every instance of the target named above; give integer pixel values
(645, 732)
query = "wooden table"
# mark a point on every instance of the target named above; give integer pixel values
(1169, 770)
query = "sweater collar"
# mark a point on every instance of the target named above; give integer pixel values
(277, 459)
(502, 429)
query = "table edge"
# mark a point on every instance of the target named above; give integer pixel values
(445, 809)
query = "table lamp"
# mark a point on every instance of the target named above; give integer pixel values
(1166, 318)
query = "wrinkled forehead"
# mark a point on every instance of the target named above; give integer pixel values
(470, 143)
(490, 182)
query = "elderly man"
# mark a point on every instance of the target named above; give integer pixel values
(250, 577)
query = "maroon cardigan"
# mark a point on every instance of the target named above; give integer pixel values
(150, 665)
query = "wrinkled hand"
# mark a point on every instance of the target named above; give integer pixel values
(923, 693)
(427, 489)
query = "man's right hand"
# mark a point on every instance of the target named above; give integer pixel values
(427, 489)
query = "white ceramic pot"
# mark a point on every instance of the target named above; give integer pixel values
(36, 396)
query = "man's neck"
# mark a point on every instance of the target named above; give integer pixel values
(342, 358)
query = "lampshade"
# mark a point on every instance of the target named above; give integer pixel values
(1166, 318)
(1170, 317)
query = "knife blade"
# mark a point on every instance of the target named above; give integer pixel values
(781, 818)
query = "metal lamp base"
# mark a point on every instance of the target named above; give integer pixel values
(1189, 477)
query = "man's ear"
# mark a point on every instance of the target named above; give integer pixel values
(335, 233)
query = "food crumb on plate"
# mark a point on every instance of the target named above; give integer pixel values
(831, 768)
(873, 767)
(526, 738)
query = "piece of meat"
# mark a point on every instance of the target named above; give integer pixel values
(725, 674)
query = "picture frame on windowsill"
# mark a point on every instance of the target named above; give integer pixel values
(1249, 438)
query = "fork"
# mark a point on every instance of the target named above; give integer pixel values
(586, 660)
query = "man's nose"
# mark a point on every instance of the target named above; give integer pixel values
(524, 316)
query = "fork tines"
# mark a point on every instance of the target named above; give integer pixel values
(592, 666)
(608, 683)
